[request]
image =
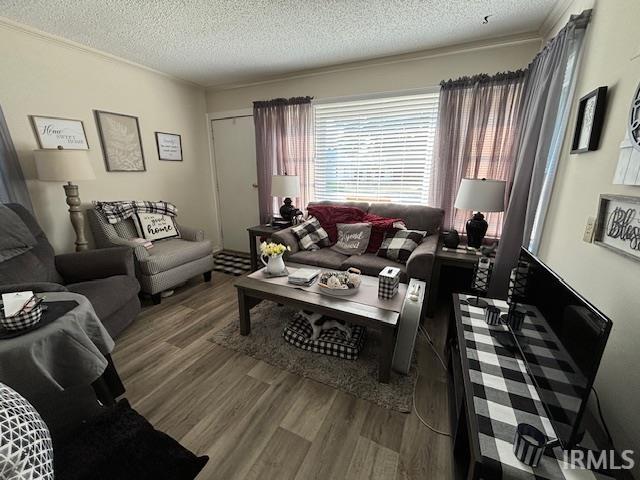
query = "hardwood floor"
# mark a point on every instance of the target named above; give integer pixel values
(256, 421)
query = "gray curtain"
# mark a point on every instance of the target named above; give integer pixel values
(284, 145)
(546, 77)
(478, 131)
(13, 188)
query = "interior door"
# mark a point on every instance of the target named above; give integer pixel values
(234, 151)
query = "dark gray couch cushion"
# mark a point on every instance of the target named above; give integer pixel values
(36, 264)
(325, 258)
(416, 217)
(15, 237)
(107, 295)
(371, 264)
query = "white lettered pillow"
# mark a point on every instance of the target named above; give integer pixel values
(155, 226)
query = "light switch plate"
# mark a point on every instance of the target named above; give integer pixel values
(636, 55)
(589, 229)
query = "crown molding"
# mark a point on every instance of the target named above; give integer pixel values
(558, 11)
(70, 44)
(520, 39)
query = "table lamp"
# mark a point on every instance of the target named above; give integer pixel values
(65, 166)
(479, 195)
(286, 186)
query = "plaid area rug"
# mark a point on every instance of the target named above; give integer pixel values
(231, 263)
(356, 377)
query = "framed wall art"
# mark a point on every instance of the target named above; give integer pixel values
(590, 119)
(121, 142)
(54, 132)
(169, 146)
(618, 225)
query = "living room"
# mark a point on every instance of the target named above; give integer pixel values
(432, 152)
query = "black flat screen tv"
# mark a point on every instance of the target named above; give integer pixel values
(562, 342)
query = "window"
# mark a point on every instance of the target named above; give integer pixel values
(376, 150)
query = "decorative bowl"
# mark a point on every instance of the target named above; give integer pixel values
(340, 283)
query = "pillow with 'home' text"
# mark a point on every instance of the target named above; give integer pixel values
(155, 226)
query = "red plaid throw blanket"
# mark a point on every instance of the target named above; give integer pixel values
(118, 211)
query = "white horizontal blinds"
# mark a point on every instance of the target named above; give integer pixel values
(377, 150)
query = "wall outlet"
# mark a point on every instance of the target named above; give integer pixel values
(589, 230)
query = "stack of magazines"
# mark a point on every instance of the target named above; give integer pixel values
(304, 276)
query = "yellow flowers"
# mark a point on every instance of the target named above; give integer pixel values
(273, 249)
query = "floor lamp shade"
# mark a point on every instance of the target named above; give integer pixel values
(65, 166)
(479, 195)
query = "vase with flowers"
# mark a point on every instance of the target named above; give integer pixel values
(273, 252)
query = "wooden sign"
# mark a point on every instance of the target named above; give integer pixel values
(618, 225)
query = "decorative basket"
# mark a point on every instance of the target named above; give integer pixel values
(340, 283)
(21, 320)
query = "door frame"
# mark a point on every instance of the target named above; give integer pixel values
(211, 116)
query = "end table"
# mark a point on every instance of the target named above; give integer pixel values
(255, 233)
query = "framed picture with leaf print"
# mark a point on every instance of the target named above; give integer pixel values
(121, 142)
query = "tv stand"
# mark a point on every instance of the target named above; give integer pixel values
(490, 392)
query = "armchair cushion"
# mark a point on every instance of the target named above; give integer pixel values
(107, 295)
(94, 264)
(174, 252)
(191, 234)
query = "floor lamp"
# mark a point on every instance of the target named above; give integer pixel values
(66, 166)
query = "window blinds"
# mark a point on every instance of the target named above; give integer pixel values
(376, 150)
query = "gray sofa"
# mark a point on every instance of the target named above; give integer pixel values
(105, 277)
(416, 217)
(169, 263)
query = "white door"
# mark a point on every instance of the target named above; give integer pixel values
(234, 151)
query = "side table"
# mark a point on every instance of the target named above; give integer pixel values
(447, 258)
(255, 233)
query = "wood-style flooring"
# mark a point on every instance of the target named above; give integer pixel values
(256, 421)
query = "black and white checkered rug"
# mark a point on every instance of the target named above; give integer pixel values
(231, 263)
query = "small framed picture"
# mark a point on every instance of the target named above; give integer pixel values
(169, 146)
(121, 142)
(589, 121)
(54, 132)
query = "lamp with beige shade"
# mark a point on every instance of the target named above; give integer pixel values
(66, 166)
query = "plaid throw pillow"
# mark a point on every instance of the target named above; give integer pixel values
(311, 236)
(397, 246)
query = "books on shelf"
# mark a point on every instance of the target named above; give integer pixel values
(304, 276)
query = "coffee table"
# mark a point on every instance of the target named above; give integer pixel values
(364, 308)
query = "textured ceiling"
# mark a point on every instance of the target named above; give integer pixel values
(213, 42)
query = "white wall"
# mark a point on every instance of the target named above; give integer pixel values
(394, 74)
(609, 280)
(44, 76)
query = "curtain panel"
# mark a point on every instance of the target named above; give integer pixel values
(545, 99)
(478, 133)
(13, 188)
(284, 145)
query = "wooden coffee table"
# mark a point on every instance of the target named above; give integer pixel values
(370, 312)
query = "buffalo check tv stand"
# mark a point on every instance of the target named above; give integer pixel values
(490, 392)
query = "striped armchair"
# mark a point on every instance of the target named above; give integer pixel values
(168, 264)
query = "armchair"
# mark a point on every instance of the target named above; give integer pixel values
(105, 277)
(168, 264)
